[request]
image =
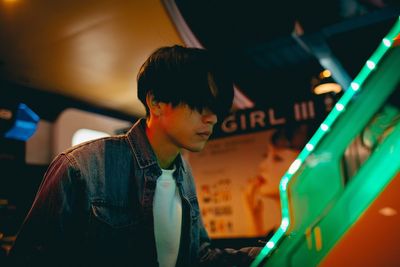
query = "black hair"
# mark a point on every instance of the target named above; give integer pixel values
(181, 75)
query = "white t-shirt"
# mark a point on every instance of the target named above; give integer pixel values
(167, 212)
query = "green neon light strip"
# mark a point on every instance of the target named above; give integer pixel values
(340, 107)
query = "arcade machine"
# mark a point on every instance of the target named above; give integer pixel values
(340, 204)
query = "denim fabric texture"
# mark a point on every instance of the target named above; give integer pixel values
(95, 208)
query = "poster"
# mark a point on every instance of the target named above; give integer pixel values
(237, 174)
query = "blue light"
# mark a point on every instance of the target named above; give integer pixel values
(25, 124)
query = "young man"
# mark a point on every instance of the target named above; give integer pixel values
(131, 199)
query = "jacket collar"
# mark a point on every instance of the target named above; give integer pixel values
(142, 150)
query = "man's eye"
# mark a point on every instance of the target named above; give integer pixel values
(278, 158)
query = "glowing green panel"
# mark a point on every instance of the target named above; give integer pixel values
(314, 182)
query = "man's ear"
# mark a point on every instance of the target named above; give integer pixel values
(154, 105)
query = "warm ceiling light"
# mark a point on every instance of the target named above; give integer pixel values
(325, 74)
(324, 88)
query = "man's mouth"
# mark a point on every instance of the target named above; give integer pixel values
(205, 134)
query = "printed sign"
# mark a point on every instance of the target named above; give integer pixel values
(238, 173)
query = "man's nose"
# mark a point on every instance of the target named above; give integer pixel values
(209, 117)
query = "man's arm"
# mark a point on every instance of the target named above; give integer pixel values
(48, 230)
(211, 256)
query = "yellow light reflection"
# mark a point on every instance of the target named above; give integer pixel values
(10, 1)
(388, 211)
(325, 74)
(327, 88)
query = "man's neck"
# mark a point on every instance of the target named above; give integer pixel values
(165, 151)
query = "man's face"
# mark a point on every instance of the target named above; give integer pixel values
(187, 128)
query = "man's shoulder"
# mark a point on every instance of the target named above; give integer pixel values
(99, 147)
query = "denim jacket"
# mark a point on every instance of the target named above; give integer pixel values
(95, 208)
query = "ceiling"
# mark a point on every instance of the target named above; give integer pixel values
(275, 48)
(92, 50)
